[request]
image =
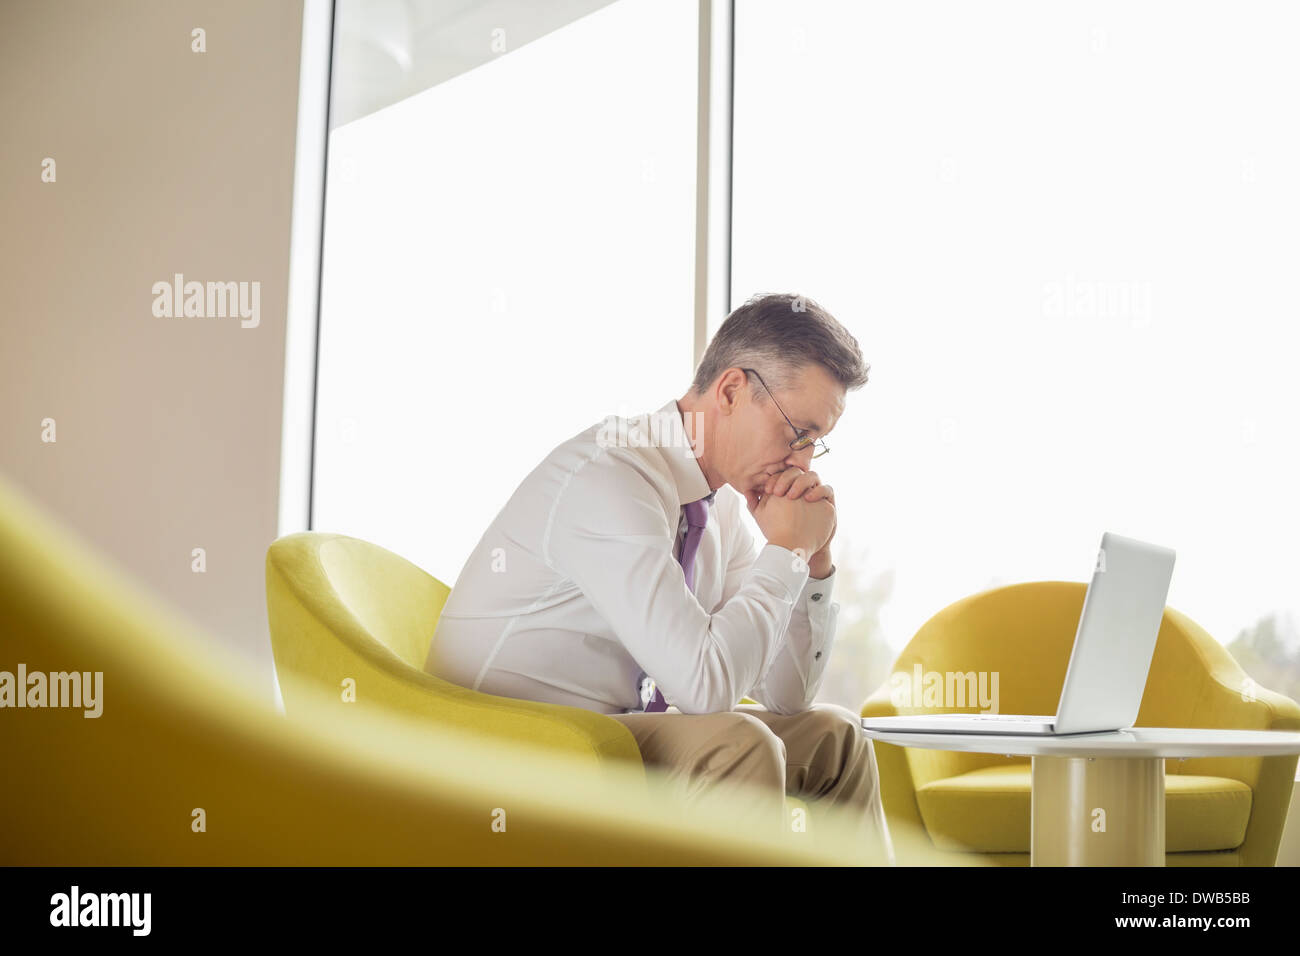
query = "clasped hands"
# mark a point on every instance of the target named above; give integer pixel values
(796, 511)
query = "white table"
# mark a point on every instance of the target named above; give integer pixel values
(1120, 772)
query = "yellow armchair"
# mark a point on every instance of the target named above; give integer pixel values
(975, 807)
(356, 620)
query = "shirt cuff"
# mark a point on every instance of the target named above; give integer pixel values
(822, 614)
(784, 565)
(818, 592)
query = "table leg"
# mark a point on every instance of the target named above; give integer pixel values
(1097, 811)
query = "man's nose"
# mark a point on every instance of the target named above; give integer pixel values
(802, 458)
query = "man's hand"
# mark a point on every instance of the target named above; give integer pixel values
(796, 528)
(806, 485)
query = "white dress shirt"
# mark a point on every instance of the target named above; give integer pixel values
(574, 593)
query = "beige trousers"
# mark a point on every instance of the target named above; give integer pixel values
(820, 755)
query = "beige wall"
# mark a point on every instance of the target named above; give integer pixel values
(168, 429)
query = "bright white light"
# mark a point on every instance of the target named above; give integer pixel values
(1064, 236)
(508, 259)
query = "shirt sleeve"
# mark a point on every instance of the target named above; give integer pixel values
(792, 682)
(608, 533)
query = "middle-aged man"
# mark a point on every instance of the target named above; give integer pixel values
(620, 577)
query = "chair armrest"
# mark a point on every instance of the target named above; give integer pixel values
(328, 654)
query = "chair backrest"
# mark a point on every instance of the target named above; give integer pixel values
(1024, 633)
(366, 594)
(1016, 638)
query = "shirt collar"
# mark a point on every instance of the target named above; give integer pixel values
(681, 459)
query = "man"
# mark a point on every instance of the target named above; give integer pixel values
(620, 577)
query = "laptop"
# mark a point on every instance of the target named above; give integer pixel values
(1112, 652)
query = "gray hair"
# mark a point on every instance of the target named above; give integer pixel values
(779, 334)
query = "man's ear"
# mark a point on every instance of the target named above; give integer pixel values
(728, 388)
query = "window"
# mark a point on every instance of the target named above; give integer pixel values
(1069, 262)
(508, 253)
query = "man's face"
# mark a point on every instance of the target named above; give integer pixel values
(758, 437)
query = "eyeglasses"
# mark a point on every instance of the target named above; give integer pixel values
(801, 442)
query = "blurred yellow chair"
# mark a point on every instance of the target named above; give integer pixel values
(188, 765)
(1220, 811)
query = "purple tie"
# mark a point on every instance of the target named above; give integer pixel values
(697, 516)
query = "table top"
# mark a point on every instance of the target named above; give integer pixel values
(1134, 742)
